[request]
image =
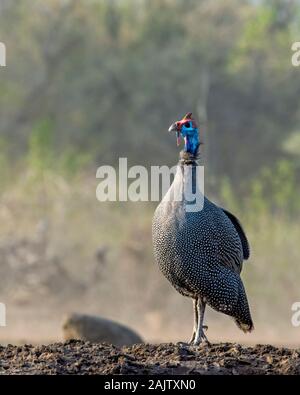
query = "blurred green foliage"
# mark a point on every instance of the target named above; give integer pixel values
(273, 191)
(40, 151)
(89, 82)
(42, 156)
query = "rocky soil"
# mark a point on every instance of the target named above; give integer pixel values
(77, 357)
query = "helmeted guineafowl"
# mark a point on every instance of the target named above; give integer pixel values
(200, 252)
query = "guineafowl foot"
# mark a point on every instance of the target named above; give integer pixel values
(199, 333)
(191, 342)
(201, 338)
(192, 339)
(182, 344)
(196, 318)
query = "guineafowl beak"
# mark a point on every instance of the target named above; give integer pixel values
(174, 128)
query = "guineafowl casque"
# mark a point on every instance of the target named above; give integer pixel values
(200, 252)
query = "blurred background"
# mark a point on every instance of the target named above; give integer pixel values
(87, 82)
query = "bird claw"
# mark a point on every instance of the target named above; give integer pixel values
(202, 341)
(192, 342)
(201, 338)
(183, 344)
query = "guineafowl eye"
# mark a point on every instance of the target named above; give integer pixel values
(187, 125)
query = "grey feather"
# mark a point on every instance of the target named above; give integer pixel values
(201, 253)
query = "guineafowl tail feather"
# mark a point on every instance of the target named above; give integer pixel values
(245, 326)
(242, 315)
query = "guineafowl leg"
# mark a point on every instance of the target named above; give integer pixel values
(195, 306)
(200, 335)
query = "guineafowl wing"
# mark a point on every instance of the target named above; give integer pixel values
(238, 227)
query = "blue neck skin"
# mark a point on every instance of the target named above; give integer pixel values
(191, 139)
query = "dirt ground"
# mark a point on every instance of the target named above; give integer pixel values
(77, 357)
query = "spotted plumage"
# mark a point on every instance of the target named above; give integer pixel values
(201, 253)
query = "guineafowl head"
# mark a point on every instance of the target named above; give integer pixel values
(188, 129)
